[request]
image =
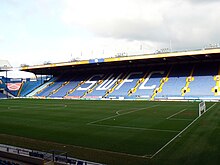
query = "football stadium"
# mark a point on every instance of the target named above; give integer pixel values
(160, 108)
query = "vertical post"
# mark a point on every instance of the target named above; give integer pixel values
(199, 109)
(6, 82)
(41, 79)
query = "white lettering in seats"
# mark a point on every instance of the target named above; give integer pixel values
(109, 82)
(127, 80)
(142, 86)
(92, 83)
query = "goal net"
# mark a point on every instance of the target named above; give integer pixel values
(202, 108)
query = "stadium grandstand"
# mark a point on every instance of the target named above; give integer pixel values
(16, 83)
(175, 76)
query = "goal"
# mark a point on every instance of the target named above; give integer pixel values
(202, 108)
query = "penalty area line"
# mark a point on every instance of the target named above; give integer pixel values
(176, 113)
(178, 134)
(129, 110)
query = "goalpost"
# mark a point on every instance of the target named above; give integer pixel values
(202, 108)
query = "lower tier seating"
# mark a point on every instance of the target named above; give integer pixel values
(141, 81)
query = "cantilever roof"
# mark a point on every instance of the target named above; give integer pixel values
(187, 56)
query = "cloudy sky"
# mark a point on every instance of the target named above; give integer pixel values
(37, 31)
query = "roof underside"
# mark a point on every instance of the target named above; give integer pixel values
(199, 56)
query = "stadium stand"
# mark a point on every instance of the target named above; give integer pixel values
(176, 81)
(86, 84)
(2, 95)
(129, 80)
(50, 88)
(19, 87)
(101, 87)
(28, 86)
(203, 77)
(152, 79)
(161, 82)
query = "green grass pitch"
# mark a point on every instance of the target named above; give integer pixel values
(115, 132)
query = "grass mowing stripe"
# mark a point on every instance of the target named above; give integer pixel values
(121, 114)
(179, 133)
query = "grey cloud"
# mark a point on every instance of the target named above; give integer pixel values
(185, 25)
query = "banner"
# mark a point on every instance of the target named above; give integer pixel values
(13, 86)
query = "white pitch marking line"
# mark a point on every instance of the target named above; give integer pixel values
(135, 128)
(179, 133)
(121, 114)
(129, 110)
(176, 113)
